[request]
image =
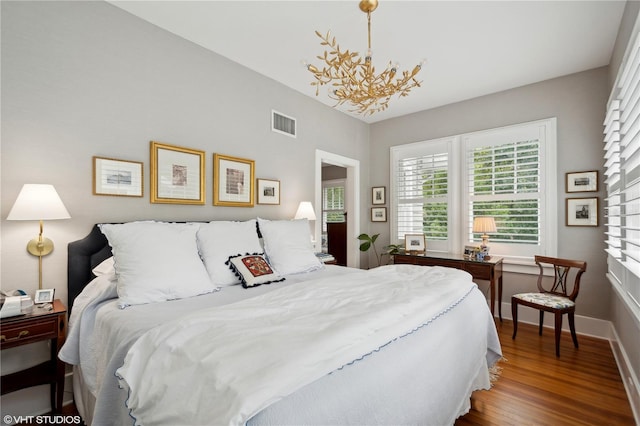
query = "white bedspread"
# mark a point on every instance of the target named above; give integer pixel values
(235, 360)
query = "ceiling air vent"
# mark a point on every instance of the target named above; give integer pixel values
(281, 123)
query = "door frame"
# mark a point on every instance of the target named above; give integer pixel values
(351, 204)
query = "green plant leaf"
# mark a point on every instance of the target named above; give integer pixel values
(365, 246)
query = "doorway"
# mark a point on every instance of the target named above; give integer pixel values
(351, 205)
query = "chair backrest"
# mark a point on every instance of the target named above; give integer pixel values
(562, 272)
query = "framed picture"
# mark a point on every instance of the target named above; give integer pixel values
(177, 174)
(268, 191)
(582, 211)
(414, 243)
(44, 296)
(582, 181)
(378, 195)
(233, 181)
(471, 251)
(117, 177)
(378, 214)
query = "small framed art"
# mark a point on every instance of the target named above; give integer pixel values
(414, 243)
(378, 195)
(582, 181)
(45, 295)
(177, 174)
(378, 214)
(582, 211)
(117, 177)
(233, 181)
(268, 191)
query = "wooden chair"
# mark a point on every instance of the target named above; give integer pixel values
(556, 299)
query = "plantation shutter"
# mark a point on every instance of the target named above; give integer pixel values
(504, 181)
(421, 183)
(622, 171)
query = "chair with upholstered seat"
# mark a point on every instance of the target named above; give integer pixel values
(555, 298)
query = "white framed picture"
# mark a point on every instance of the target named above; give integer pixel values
(582, 211)
(414, 243)
(582, 181)
(44, 296)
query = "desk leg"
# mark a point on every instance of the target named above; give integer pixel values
(492, 285)
(500, 297)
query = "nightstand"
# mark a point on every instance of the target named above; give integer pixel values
(36, 326)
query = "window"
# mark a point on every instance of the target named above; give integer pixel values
(439, 186)
(622, 172)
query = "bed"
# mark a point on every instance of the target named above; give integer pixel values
(281, 339)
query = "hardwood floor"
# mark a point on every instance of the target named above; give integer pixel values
(582, 387)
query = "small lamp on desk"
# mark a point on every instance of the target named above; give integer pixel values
(484, 224)
(38, 202)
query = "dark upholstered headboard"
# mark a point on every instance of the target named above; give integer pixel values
(83, 256)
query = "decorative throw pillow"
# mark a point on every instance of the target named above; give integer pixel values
(287, 244)
(220, 239)
(253, 270)
(156, 261)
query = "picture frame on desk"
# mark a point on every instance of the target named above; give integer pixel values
(44, 296)
(414, 243)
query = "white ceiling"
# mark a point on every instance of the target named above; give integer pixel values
(472, 48)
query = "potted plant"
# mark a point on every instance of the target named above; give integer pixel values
(370, 241)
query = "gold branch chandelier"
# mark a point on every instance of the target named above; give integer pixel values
(354, 79)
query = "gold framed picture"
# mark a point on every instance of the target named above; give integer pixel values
(177, 174)
(233, 180)
(117, 177)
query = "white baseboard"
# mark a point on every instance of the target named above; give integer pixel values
(595, 328)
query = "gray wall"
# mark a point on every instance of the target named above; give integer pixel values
(85, 78)
(578, 103)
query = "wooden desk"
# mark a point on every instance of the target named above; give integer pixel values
(36, 326)
(490, 270)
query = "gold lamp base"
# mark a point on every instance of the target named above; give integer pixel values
(40, 248)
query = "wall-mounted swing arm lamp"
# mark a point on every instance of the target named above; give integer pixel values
(38, 202)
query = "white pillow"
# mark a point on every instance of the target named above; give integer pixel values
(156, 261)
(219, 240)
(253, 270)
(105, 267)
(287, 244)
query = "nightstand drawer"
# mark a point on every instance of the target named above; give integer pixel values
(21, 333)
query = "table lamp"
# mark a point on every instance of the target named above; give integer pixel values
(38, 202)
(484, 224)
(305, 211)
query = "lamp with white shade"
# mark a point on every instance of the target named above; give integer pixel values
(38, 202)
(305, 211)
(484, 225)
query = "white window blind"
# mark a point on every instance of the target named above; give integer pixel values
(504, 182)
(421, 182)
(622, 171)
